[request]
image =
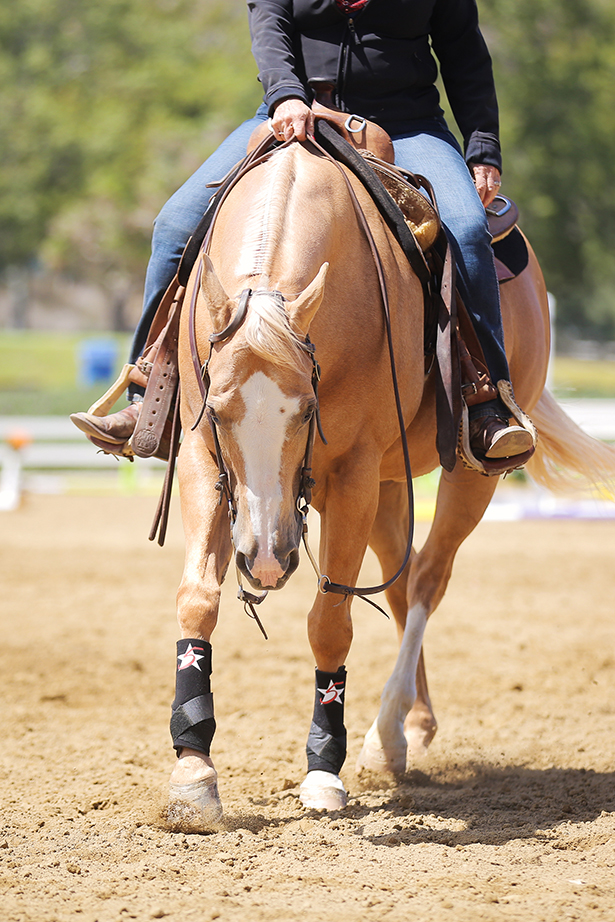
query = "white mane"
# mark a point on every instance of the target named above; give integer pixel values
(267, 330)
(264, 222)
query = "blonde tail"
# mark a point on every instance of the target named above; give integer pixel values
(566, 458)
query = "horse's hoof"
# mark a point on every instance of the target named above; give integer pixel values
(418, 737)
(194, 807)
(375, 758)
(323, 791)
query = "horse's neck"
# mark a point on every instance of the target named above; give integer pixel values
(276, 226)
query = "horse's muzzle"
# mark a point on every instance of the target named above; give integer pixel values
(271, 575)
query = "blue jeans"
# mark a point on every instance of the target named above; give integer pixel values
(430, 149)
(179, 218)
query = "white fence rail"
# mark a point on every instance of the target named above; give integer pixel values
(52, 443)
(48, 444)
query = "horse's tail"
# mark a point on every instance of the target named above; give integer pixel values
(567, 458)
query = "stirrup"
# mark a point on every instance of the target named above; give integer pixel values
(104, 404)
(493, 467)
(102, 407)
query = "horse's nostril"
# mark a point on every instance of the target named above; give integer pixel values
(271, 574)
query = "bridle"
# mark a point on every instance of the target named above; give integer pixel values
(306, 482)
(223, 484)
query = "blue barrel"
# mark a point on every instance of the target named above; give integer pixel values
(97, 361)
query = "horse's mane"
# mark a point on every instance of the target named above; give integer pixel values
(268, 332)
(267, 329)
(264, 221)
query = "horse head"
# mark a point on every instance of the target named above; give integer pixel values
(260, 403)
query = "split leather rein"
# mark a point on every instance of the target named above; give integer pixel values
(306, 482)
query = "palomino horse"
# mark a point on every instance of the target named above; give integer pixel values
(289, 233)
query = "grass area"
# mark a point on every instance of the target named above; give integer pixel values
(583, 378)
(41, 373)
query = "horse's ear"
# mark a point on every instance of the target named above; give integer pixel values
(303, 309)
(219, 304)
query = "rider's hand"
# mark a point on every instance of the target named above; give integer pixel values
(487, 181)
(292, 118)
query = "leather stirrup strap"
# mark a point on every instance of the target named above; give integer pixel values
(448, 385)
(161, 518)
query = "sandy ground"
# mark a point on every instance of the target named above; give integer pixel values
(511, 817)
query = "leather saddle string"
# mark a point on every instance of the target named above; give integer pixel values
(161, 518)
(325, 584)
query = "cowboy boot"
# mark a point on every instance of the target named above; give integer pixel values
(493, 437)
(114, 429)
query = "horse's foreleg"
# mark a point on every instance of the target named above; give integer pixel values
(345, 523)
(463, 497)
(194, 801)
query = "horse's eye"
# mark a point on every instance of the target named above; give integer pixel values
(308, 414)
(213, 416)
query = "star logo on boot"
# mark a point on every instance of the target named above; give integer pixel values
(332, 693)
(190, 658)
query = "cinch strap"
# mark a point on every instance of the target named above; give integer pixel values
(192, 719)
(326, 743)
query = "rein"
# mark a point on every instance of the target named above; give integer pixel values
(223, 486)
(324, 583)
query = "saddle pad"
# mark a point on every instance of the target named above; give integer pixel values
(512, 251)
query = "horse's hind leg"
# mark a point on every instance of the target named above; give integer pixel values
(463, 497)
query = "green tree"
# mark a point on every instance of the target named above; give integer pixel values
(555, 70)
(107, 108)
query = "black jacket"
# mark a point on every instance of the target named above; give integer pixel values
(382, 63)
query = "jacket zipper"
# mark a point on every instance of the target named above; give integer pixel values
(345, 54)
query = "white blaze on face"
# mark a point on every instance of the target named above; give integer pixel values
(260, 437)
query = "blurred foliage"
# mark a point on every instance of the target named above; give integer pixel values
(554, 63)
(108, 107)
(40, 374)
